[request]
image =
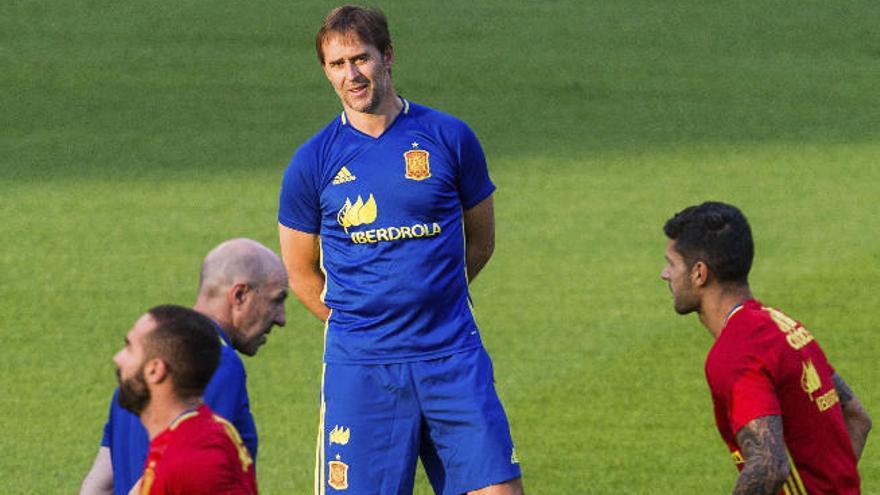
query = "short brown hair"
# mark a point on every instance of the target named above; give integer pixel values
(189, 345)
(368, 24)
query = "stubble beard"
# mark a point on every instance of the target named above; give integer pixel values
(133, 392)
(684, 301)
(359, 105)
(376, 88)
(685, 305)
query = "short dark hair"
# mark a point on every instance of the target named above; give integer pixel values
(368, 24)
(189, 345)
(717, 234)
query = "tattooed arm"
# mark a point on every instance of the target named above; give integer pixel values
(766, 462)
(858, 423)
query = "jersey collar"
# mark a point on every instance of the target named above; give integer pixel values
(224, 339)
(344, 119)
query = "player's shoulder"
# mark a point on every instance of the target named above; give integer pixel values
(752, 316)
(194, 430)
(739, 340)
(437, 120)
(320, 142)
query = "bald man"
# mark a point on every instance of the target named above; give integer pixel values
(242, 289)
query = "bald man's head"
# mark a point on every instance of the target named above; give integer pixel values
(238, 260)
(245, 285)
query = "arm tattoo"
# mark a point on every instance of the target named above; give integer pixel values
(843, 391)
(766, 462)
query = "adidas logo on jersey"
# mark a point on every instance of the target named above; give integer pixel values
(343, 176)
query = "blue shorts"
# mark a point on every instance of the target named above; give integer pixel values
(376, 420)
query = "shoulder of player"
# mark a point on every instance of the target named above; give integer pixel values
(752, 318)
(317, 145)
(742, 343)
(198, 454)
(439, 120)
(198, 432)
(228, 376)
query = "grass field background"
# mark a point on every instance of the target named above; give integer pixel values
(138, 136)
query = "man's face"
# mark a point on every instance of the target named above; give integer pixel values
(359, 73)
(133, 392)
(677, 274)
(263, 309)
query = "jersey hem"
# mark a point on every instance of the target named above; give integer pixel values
(297, 226)
(485, 194)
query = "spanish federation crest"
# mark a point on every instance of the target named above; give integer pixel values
(338, 475)
(418, 165)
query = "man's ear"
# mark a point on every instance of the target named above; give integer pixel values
(699, 274)
(388, 57)
(238, 294)
(155, 371)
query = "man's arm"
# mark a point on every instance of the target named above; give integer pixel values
(766, 462)
(99, 480)
(300, 252)
(479, 232)
(858, 423)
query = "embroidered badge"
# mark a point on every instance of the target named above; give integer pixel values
(418, 164)
(338, 474)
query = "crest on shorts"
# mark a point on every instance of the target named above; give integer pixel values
(418, 164)
(338, 474)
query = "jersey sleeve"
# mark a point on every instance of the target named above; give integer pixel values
(299, 203)
(745, 387)
(227, 395)
(474, 184)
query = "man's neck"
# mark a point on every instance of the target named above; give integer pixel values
(161, 412)
(375, 123)
(217, 311)
(718, 305)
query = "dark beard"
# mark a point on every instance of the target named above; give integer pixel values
(133, 393)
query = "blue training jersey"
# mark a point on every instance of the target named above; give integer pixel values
(389, 214)
(226, 394)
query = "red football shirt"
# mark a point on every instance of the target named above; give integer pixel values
(764, 363)
(200, 453)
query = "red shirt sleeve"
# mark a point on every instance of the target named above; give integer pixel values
(752, 396)
(741, 379)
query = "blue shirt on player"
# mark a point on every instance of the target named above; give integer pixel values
(226, 394)
(389, 214)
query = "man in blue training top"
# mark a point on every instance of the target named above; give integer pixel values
(385, 216)
(242, 289)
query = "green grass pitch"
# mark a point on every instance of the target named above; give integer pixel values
(137, 135)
